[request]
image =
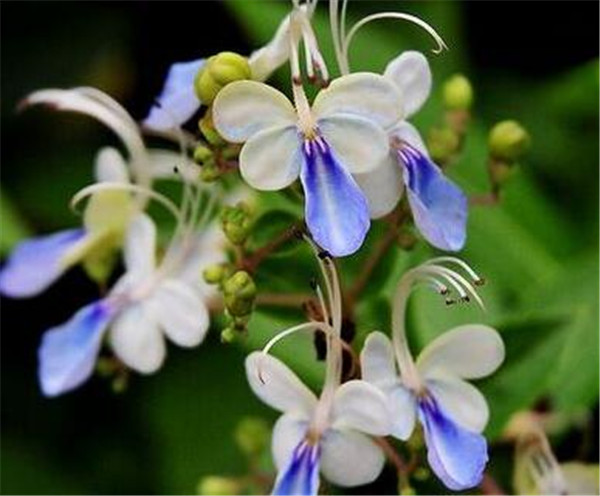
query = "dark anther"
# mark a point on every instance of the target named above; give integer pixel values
(444, 291)
(450, 301)
(330, 321)
(465, 299)
(298, 232)
(313, 283)
(324, 255)
(176, 169)
(479, 282)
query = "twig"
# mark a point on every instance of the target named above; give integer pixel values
(490, 486)
(392, 455)
(384, 244)
(252, 262)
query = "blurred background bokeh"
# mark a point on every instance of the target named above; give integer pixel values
(536, 62)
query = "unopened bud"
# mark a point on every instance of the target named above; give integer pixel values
(228, 335)
(239, 292)
(202, 154)
(252, 435)
(213, 274)
(217, 486)
(210, 172)
(443, 143)
(237, 223)
(207, 128)
(458, 93)
(508, 140)
(220, 70)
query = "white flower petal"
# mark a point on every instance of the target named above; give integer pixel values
(110, 166)
(276, 385)
(364, 94)
(350, 458)
(98, 105)
(469, 351)
(403, 410)
(271, 159)
(287, 434)
(264, 61)
(181, 313)
(405, 131)
(358, 143)
(411, 73)
(136, 339)
(244, 108)
(377, 361)
(361, 406)
(140, 247)
(383, 186)
(461, 401)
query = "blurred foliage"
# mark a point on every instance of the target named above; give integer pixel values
(537, 250)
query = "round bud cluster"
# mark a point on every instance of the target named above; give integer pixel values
(220, 70)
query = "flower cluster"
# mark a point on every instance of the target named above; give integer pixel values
(358, 159)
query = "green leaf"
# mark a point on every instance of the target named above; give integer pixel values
(13, 228)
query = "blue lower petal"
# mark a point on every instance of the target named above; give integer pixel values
(177, 102)
(301, 475)
(36, 263)
(439, 207)
(68, 352)
(456, 455)
(337, 213)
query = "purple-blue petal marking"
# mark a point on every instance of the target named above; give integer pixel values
(68, 352)
(177, 102)
(456, 455)
(36, 263)
(301, 475)
(336, 210)
(439, 207)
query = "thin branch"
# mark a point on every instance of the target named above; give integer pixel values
(252, 262)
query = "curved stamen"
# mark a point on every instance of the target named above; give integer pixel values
(461, 263)
(149, 193)
(441, 45)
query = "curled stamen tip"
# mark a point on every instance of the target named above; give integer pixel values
(479, 282)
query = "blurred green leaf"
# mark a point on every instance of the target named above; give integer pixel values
(12, 226)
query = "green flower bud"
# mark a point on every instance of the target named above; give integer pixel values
(508, 140)
(228, 335)
(443, 144)
(202, 154)
(239, 292)
(207, 128)
(217, 486)
(210, 171)
(407, 491)
(220, 70)
(252, 435)
(458, 93)
(214, 274)
(237, 223)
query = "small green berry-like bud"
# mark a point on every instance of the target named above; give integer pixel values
(508, 140)
(202, 154)
(217, 486)
(210, 171)
(220, 70)
(237, 223)
(228, 335)
(458, 93)
(240, 292)
(443, 144)
(213, 274)
(207, 128)
(252, 435)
